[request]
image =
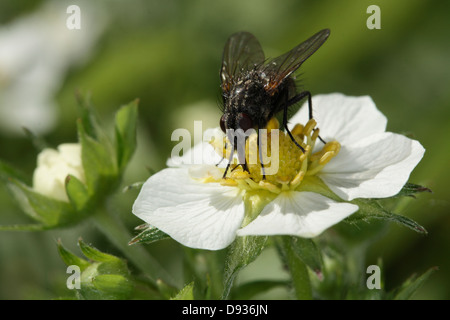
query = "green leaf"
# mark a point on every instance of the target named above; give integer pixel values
(149, 235)
(126, 119)
(187, 293)
(410, 189)
(109, 264)
(297, 269)
(98, 163)
(241, 252)
(77, 193)
(411, 285)
(48, 211)
(95, 254)
(88, 118)
(70, 259)
(308, 252)
(249, 290)
(371, 209)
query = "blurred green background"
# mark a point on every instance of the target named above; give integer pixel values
(168, 54)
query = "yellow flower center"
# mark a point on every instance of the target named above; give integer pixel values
(292, 164)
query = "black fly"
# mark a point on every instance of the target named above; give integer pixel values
(254, 90)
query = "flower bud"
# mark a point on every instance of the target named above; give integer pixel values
(103, 276)
(53, 167)
(72, 181)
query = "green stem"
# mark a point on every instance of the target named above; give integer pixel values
(119, 235)
(298, 270)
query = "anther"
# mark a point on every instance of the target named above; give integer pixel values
(315, 134)
(326, 157)
(239, 175)
(228, 182)
(310, 125)
(297, 179)
(269, 186)
(298, 129)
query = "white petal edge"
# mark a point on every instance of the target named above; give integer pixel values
(376, 167)
(198, 215)
(302, 214)
(346, 119)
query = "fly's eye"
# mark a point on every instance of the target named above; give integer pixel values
(222, 124)
(245, 122)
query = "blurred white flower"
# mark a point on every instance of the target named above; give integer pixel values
(36, 51)
(53, 167)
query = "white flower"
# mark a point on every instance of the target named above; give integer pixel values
(372, 163)
(196, 207)
(53, 167)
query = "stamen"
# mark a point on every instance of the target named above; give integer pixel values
(252, 184)
(315, 134)
(240, 175)
(310, 125)
(273, 124)
(228, 182)
(294, 164)
(298, 129)
(297, 179)
(326, 158)
(269, 186)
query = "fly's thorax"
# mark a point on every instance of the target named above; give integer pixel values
(248, 96)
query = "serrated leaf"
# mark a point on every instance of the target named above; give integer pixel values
(187, 293)
(71, 259)
(372, 209)
(249, 290)
(149, 235)
(241, 252)
(126, 122)
(411, 285)
(308, 252)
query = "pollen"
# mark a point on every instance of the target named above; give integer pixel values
(274, 162)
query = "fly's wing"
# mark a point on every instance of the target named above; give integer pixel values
(242, 52)
(282, 67)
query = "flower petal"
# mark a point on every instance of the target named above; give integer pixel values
(376, 167)
(343, 118)
(201, 153)
(53, 167)
(198, 215)
(71, 153)
(303, 214)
